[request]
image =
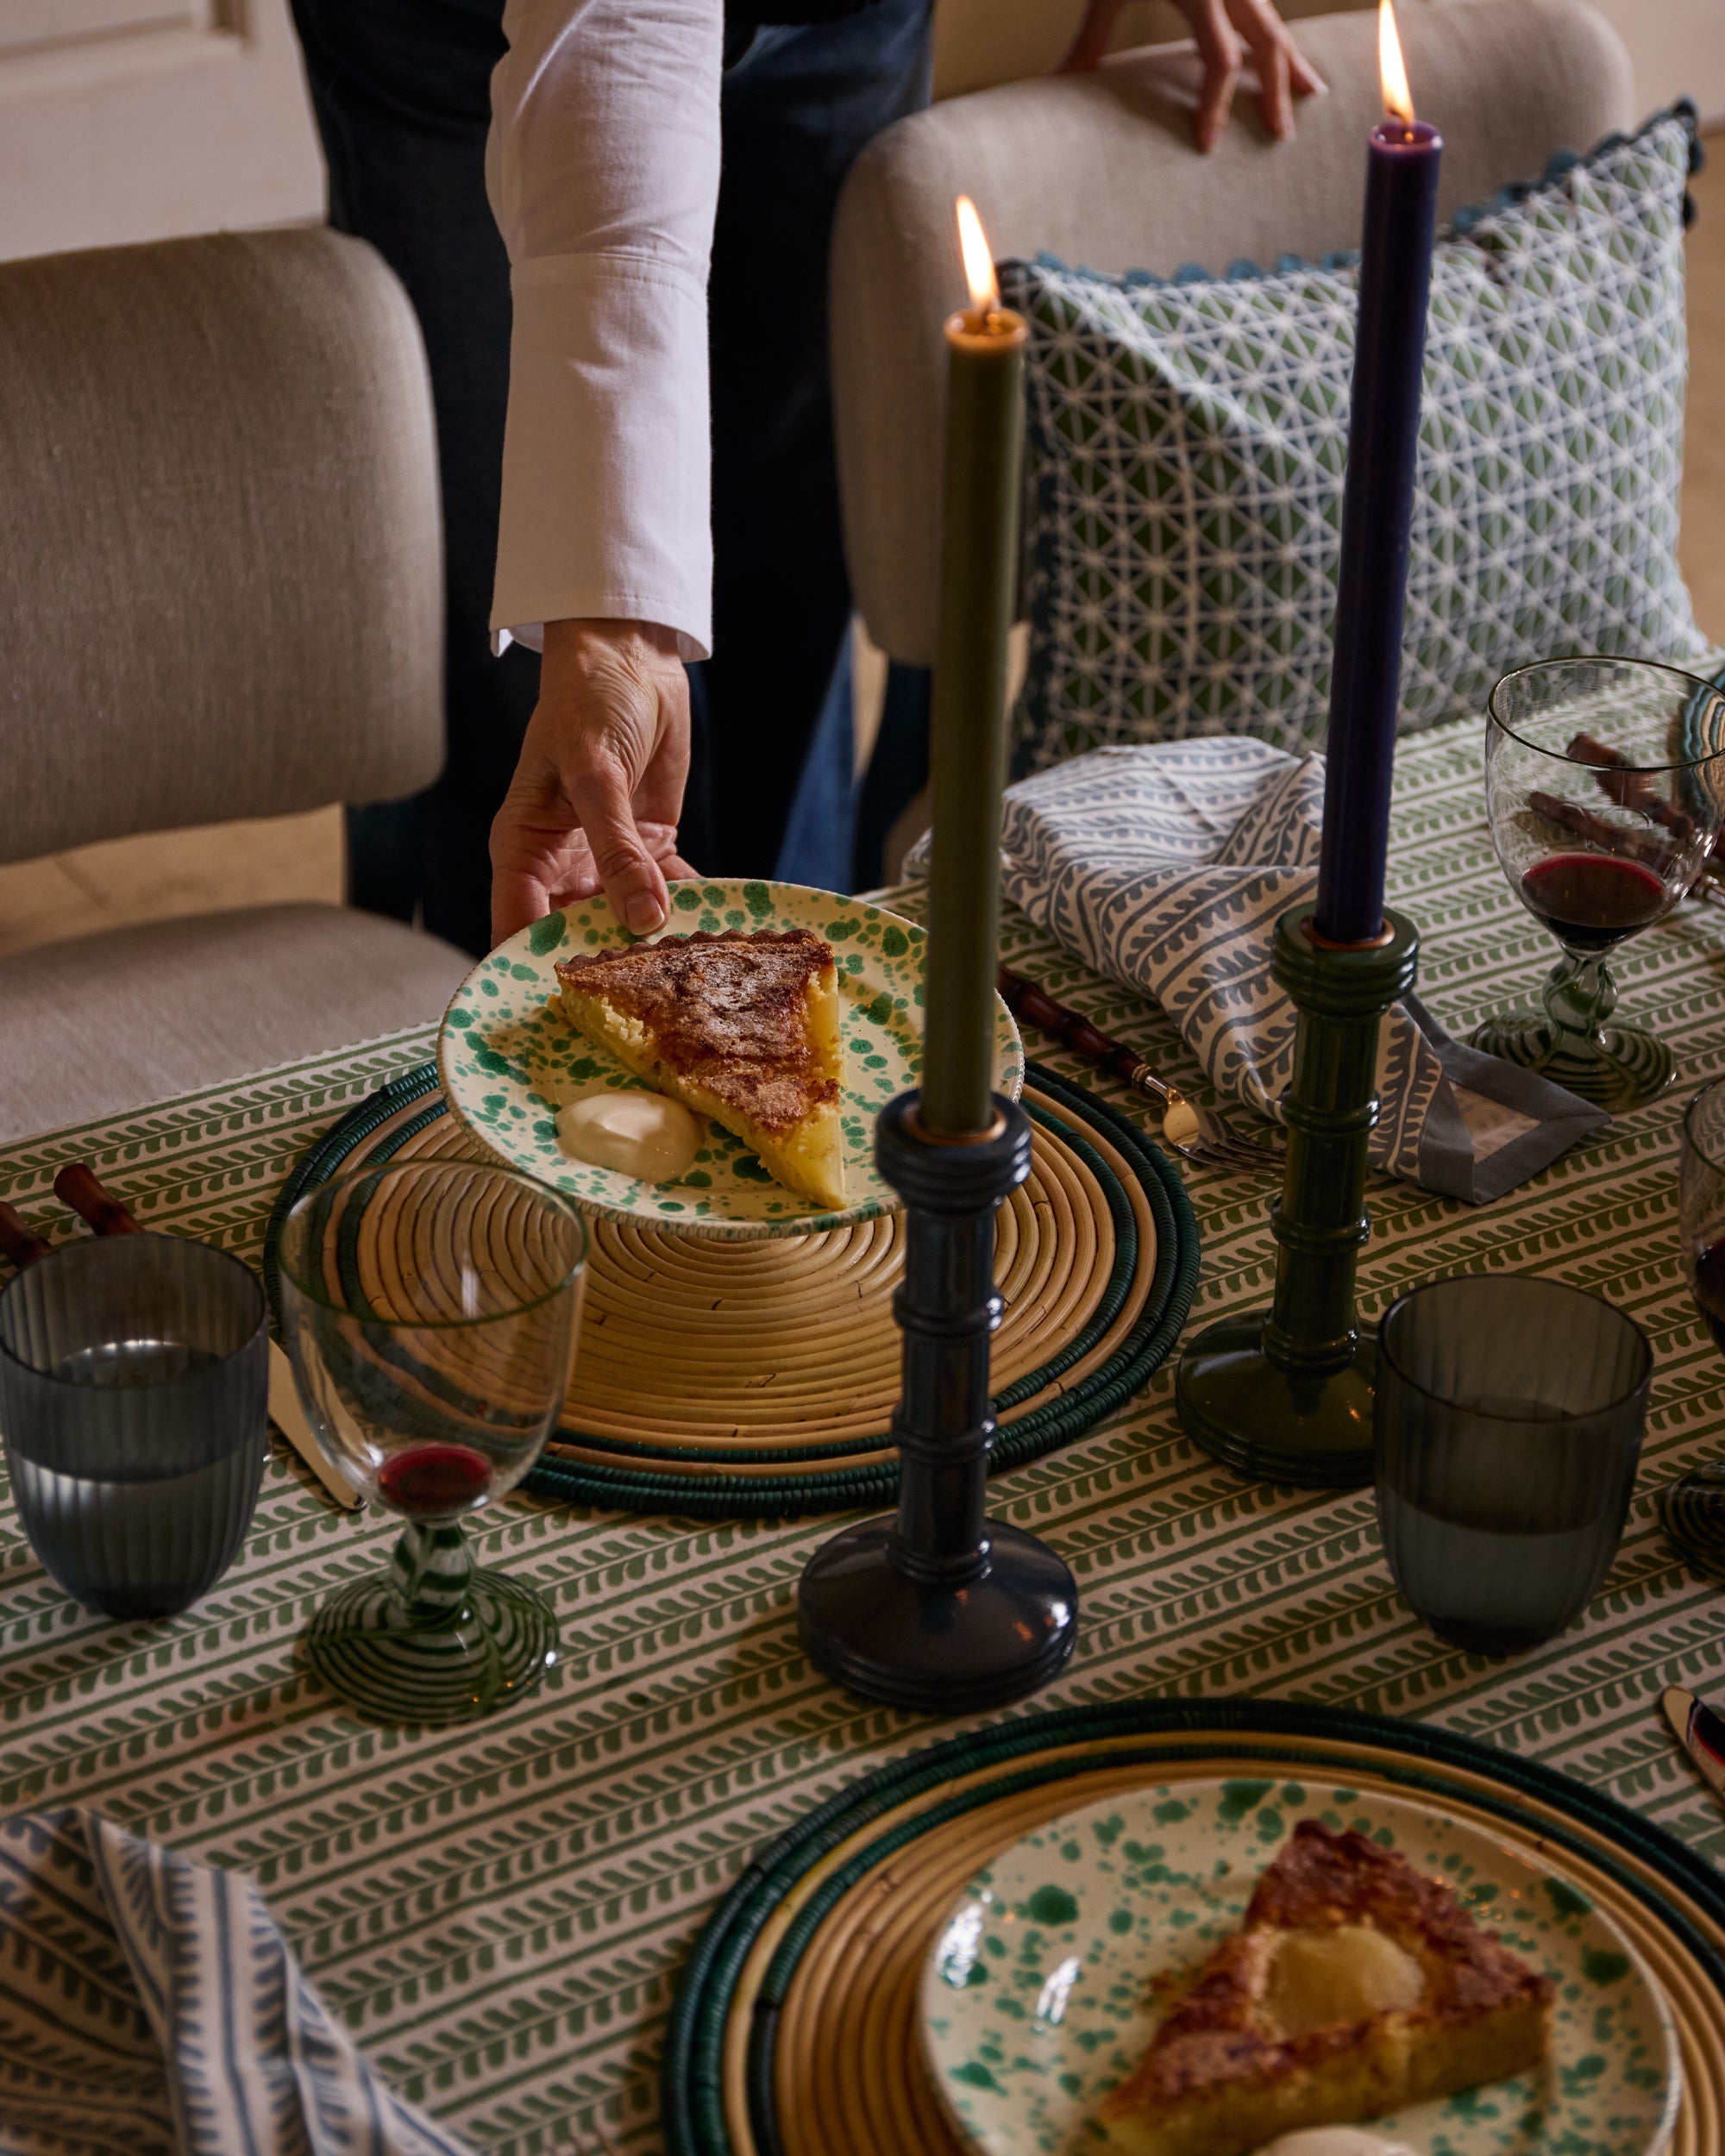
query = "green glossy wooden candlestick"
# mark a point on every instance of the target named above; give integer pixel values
(1285, 1395)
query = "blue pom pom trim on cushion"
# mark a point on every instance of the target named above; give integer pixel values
(1559, 167)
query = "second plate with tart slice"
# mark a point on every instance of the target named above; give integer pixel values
(510, 1057)
(1356, 1985)
(1137, 1934)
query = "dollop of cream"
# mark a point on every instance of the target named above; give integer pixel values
(1333, 2141)
(638, 1134)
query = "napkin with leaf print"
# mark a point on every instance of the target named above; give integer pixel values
(1167, 867)
(149, 2007)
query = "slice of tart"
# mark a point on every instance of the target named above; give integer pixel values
(743, 1028)
(1354, 1986)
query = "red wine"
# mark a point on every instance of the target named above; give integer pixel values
(430, 1480)
(1593, 900)
(1707, 1285)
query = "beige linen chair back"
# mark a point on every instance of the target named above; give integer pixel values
(1099, 170)
(220, 589)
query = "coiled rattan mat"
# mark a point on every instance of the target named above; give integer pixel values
(794, 2028)
(759, 1378)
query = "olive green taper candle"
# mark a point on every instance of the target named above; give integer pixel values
(968, 745)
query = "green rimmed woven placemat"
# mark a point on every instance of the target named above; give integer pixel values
(700, 1481)
(722, 2080)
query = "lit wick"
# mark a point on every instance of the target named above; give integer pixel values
(1398, 99)
(979, 271)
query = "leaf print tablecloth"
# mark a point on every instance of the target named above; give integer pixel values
(498, 1914)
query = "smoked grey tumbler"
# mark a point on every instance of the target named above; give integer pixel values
(134, 1385)
(1506, 1431)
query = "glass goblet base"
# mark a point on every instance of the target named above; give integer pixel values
(432, 1640)
(1692, 1518)
(1616, 1066)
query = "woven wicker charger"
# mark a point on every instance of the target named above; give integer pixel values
(796, 2032)
(761, 1377)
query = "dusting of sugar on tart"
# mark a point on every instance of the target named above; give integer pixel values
(638, 1134)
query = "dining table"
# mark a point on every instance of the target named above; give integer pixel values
(499, 1911)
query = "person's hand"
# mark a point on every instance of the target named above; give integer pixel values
(1223, 28)
(598, 787)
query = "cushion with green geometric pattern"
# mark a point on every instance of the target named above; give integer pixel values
(1187, 438)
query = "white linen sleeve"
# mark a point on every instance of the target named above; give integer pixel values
(603, 169)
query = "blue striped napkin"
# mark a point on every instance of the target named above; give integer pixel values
(1167, 866)
(149, 2007)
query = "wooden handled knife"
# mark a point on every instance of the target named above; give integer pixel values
(1700, 1732)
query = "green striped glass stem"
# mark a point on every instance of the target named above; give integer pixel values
(1285, 1395)
(430, 1569)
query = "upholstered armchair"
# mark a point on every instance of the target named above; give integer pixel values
(222, 598)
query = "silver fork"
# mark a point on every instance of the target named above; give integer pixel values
(1205, 1134)
(1198, 1134)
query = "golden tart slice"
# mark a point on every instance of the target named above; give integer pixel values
(743, 1028)
(1356, 1985)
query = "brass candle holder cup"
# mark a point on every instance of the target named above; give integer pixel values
(1285, 1395)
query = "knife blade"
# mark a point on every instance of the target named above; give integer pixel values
(1700, 1732)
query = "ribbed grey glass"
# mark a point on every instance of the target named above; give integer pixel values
(1508, 1427)
(134, 1389)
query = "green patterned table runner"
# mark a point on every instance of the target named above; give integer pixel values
(500, 1913)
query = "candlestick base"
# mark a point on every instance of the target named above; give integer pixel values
(1314, 1432)
(939, 1610)
(1285, 1395)
(930, 1646)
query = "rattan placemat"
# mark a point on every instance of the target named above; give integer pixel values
(759, 1378)
(794, 2030)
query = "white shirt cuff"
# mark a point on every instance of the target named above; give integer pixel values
(604, 512)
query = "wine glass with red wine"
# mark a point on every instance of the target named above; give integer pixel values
(430, 1307)
(1693, 1508)
(1606, 791)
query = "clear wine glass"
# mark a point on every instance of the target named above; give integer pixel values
(430, 1307)
(1693, 1508)
(1603, 787)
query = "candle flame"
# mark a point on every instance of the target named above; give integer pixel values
(979, 263)
(1397, 97)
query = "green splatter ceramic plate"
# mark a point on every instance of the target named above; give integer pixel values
(1035, 1998)
(508, 1059)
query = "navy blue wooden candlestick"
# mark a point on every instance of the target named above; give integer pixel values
(941, 1610)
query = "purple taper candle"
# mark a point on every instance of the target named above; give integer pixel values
(1377, 505)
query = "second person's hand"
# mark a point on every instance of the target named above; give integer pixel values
(1224, 30)
(598, 785)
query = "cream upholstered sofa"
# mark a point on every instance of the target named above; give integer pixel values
(221, 596)
(1099, 170)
